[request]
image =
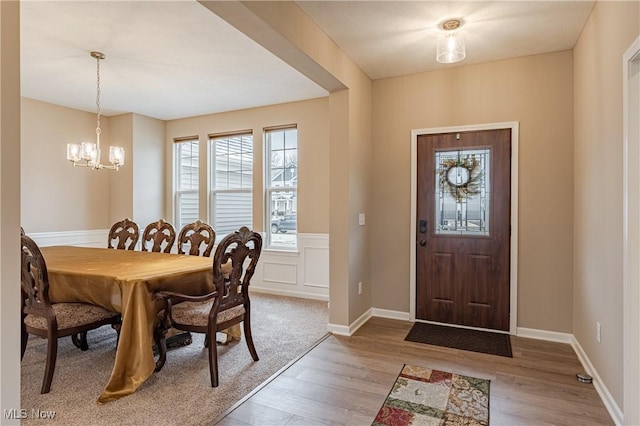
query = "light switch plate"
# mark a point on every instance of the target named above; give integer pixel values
(361, 219)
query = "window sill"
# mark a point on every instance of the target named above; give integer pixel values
(282, 251)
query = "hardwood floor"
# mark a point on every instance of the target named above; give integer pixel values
(345, 380)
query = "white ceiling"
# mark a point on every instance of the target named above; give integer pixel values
(170, 60)
(392, 38)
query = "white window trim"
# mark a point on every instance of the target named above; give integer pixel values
(211, 177)
(176, 176)
(269, 189)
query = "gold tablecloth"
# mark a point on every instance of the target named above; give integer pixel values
(124, 281)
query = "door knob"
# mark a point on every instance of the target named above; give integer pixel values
(423, 243)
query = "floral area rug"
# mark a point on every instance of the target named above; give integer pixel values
(421, 396)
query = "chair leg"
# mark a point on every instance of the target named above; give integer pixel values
(24, 338)
(80, 341)
(247, 335)
(76, 340)
(159, 336)
(117, 326)
(213, 358)
(52, 353)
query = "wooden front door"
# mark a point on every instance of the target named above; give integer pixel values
(463, 228)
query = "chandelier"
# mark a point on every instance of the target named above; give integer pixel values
(450, 47)
(87, 154)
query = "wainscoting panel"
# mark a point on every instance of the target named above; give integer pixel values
(279, 272)
(301, 273)
(92, 238)
(316, 271)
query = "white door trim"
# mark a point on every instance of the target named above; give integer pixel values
(631, 232)
(514, 126)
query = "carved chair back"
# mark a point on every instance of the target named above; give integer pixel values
(126, 233)
(35, 281)
(242, 248)
(158, 233)
(199, 236)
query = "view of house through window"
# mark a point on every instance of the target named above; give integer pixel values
(186, 158)
(231, 184)
(281, 184)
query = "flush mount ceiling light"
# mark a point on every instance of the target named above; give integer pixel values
(87, 154)
(450, 47)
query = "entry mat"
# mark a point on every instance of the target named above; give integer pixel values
(461, 338)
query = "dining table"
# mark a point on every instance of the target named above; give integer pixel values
(124, 281)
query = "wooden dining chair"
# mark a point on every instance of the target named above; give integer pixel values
(199, 237)
(157, 233)
(49, 320)
(227, 305)
(126, 234)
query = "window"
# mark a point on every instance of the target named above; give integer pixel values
(281, 184)
(186, 156)
(462, 191)
(231, 183)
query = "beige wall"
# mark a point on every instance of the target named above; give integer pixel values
(310, 116)
(121, 197)
(74, 198)
(138, 189)
(9, 206)
(360, 192)
(536, 91)
(339, 289)
(147, 161)
(598, 160)
(78, 198)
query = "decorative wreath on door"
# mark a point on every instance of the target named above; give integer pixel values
(461, 177)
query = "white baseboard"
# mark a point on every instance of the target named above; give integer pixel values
(386, 313)
(551, 336)
(290, 293)
(344, 330)
(341, 330)
(89, 238)
(598, 384)
(360, 321)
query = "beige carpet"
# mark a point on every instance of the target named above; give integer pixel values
(283, 328)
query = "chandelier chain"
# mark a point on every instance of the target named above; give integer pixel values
(98, 93)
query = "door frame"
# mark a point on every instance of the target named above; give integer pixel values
(513, 274)
(631, 245)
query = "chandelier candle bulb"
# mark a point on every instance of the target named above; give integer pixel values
(73, 152)
(88, 151)
(116, 155)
